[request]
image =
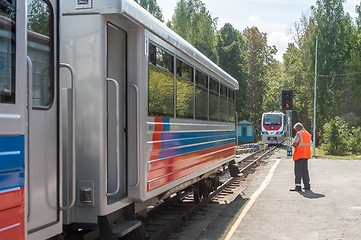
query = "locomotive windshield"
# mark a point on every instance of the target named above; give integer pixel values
(272, 119)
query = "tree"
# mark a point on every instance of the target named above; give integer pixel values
(193, 22)
(259, 59)
(152, 7)
(231, 50)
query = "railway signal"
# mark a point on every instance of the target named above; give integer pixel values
(287, 100)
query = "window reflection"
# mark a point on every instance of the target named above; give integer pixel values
(160, 92)
(214, 103)
(223, 109)
(185, 100)
(201, 103)
(231, 106)
(185, 96)
(7, 51)
(201, 94)
(40, 51)
(207, 100)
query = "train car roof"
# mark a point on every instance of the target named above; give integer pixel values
(136, 13)
(273, 113)
(144, 18)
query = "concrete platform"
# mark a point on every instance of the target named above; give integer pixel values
(331, 210)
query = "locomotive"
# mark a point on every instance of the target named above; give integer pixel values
(104, 111)
(273, 128)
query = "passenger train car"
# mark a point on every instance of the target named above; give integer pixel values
(153, 116)
(30, 193)
(136, 115)
(273, 127)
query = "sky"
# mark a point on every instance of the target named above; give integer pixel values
(274, 17)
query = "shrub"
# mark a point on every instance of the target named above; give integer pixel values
(336, 139)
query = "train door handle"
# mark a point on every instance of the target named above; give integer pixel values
(138, 134)
(117, 97)
(72, 72)
(30, 106)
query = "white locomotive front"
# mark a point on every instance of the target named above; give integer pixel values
(273, 127)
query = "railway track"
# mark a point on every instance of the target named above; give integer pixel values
(167, 216)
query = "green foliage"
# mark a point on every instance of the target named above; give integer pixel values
(260, 61)
(339, 139)
(193, 22)
(7, 10)
(231, 48)
(247, 57)
(160, 92)
(152, 7)
(39, 17)
(355, 140)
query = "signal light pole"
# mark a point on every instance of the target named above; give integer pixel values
(287, 104)
(287, 100)
(314, 101)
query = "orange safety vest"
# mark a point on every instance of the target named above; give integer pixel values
(303, 148)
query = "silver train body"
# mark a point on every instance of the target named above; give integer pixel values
(108, 44)
(85, 135)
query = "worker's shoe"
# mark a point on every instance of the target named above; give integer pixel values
(298, 189)
(307, 188)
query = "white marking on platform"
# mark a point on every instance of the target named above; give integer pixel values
(237, 219)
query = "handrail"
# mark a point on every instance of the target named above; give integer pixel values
(138, 131)
(236, 121)
(117, 135)
(72, 72)
(30, 106)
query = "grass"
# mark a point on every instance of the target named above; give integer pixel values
(321, 153)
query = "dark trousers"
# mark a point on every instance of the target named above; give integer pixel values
(301, 171)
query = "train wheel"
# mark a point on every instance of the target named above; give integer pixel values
(196, 192)
(201, 190)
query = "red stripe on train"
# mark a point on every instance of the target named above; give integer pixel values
(158, 128)
(12, 215)
(170, 169)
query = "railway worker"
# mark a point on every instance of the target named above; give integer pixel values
(302, 153)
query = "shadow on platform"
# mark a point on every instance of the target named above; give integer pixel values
(312, 195)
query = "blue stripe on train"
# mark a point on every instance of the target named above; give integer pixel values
(12, 165)
(179, 143)
(167, 153)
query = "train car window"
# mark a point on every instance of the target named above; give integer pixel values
(164, 60)
(184, 70)
(230, 94)
(7, 51)
(231, 105)
(184, 89)
(272, 119)
(152, 54)
(41, 52)
(201, 94)
(223, 104)
(201, 79)
(160, 92)
(214, 101)
(160, 83)
(223, 91)
(214, 86)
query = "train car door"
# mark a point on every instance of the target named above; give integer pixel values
(13, 103)
(44, 218)
(116, 109)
